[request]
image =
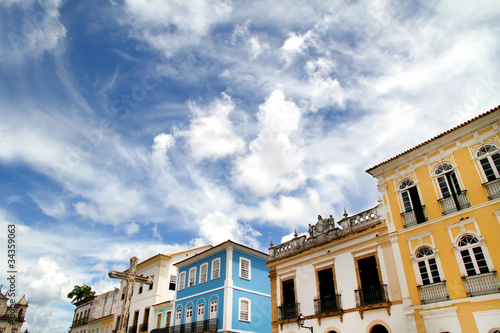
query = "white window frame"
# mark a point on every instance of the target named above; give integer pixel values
(481, 242)
(200, 316)
(215, 274)
(178, 315)
(189, 314)
(241, 312)
(203, 273)
(488, 155)
(249, 277)
(192, 277)
(213, 312)
(182, 281)
(416, 267)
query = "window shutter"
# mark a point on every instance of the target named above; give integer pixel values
(216, 268)
(203, 273)
(244, 310)
(245, 269)
(192, 276)
(182, 280)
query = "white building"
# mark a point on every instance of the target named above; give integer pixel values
(164, 274)
(338, 279)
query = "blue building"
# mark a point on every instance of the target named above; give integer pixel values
(223, 289)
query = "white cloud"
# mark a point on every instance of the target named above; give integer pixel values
(217, 227)
(162, 142)
(275, 161)
(171, 25)
(131, 228)
(211, 134)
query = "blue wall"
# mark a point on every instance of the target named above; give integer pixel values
(260, 312)
(210, 284)
(205, 298)
(259, 279)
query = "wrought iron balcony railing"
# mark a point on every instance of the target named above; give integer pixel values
(288, 311)
(492, 189)
(371, 295)
(482, 284)
(208, 325)
(414, 217)
(143, 327)
(132, 329)
(328, 304)
(81, 321)
(432, 293)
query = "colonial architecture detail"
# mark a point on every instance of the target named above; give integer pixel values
(224, 289)
(12, 314)
(340, 278)
(446, 226)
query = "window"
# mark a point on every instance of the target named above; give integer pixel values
(288, 307)
(245, 272)
(215, 268)
(192, 276)
(151, 285)
(201, 311)
(158, 320)
(472, 255)
(427, 266)
(182, 280)
(453, 198)
(173, 279)
(489, 157)
(327, 300)
(189, 314)
(244, 310)
(178, 314)
(213, 309)
(123, 295)
(412, 206)
(203, 273)
(371, 291)
(140, 289)
(167, 320)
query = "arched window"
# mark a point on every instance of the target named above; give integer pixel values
(489, 157)
(413, 209)
(472, 255)
(447, 179)
(427, 265)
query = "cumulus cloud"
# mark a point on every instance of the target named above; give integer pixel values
(210, 133)
(162, 142)
(218, 227)
(275, 161)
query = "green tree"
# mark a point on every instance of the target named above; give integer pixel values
(80, 292)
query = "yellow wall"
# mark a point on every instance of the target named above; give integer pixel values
(421, 169)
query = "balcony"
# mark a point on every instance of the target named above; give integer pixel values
(432, 293)
(81, 321)
(209, 325)
(483, 284)
(132, 329)
(288, 311)
(143, 327)
(454, 203)
(327, 305)
(492, 189)
(414, 217)
(371, 296)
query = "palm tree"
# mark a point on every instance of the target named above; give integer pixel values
(78, 293)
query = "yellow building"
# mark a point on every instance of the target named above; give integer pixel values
(443, 213)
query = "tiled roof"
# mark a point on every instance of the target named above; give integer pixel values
(436, 137)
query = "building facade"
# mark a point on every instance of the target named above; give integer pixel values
(224, 289)
(12, 314)
(82, 315)
(443, 214)
(340, 278)
(163, 316)
(164, 274)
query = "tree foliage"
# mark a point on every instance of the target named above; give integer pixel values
(80, 292)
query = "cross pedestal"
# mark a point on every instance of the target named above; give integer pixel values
(131, 278)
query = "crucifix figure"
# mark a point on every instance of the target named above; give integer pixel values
(131, 278)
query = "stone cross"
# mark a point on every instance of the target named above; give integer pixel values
(131, 278)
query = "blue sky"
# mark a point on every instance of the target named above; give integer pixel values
(137, 127)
